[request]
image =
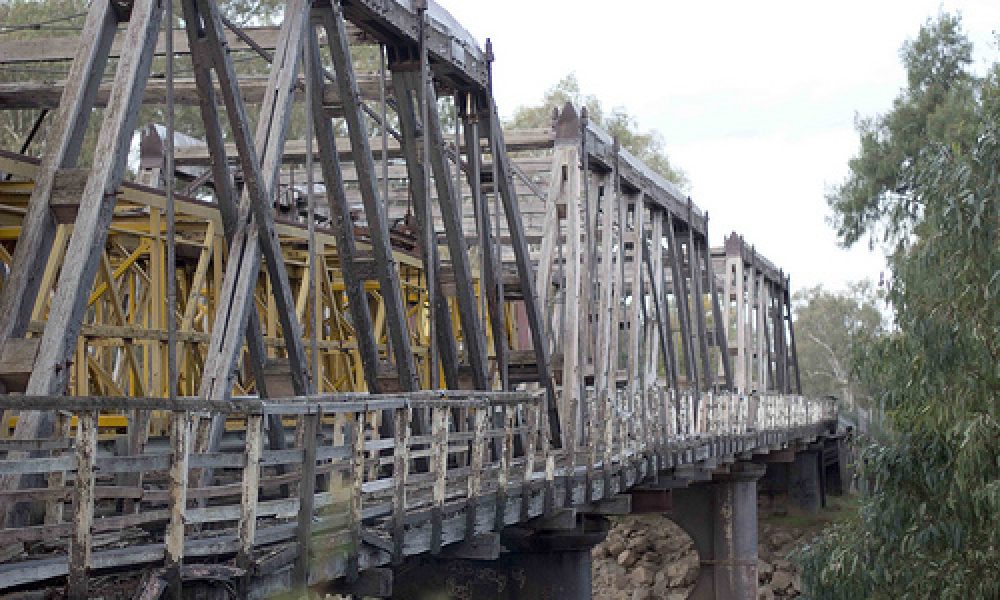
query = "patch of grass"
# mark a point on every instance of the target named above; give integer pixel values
(838, 508)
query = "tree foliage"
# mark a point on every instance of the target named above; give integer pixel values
(23, 19)
(647, 146)
(829, 325)
(927, 181)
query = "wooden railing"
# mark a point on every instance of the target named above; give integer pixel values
(365, 480)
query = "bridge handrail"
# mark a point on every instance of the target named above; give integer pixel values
(330, 403)
(444, 453)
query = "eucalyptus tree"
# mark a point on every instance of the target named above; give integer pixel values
(926, 185)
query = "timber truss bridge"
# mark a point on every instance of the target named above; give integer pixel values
(353, 320)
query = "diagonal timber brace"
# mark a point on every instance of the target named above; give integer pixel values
(502, 178)
(225, 191)
(62, 151)
(332, 19)
(403, 84)
(406, 88)
(340, 222)
(451, 206)
(489, 276)
(255, 231)
(58, 344)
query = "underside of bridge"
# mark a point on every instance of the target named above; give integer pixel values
(347, 333)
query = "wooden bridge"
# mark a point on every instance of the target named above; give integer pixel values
(380, 327)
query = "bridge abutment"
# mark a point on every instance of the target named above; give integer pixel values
(533, 564)
(721, 518)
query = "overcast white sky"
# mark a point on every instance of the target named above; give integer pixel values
(756, 100)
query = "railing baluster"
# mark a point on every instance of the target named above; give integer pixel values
(180, 434)
(400, 472)
(307, 497)
(503, 477)
(83, 511)
(550, 464)
(439, 458)
(248, 500)
(54, 506)
(480, 419)
(623, 421)
(531, 420)
(372, 428)
(356, 504)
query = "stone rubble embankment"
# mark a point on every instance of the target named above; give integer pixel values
(647, 557)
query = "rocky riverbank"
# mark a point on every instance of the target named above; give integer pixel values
(646, 557)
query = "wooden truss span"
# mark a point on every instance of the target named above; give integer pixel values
(397, 328)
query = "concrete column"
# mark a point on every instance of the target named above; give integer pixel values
(804, 483)
(535, 564)
(772, 488)
(721, 518)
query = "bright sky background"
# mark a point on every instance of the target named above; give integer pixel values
(756, 100)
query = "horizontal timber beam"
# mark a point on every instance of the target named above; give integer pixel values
(295, 150)
(22, 95)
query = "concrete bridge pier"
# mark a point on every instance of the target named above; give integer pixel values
(721, 518)
(533, 564)
(805, 482)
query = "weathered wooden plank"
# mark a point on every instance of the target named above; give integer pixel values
(694, 268)
(355, 499)
(761, 333)
(61, 48)
(480, 420)
(22, 95)
(226, 199)
(295, 150)
(615, 414)
(489, 268)
(791, 337)
(503, 475)
(450, 203)
(96, 206)
(718, 316)
(22, 466)
(62, 151)
(532, 416)
(572, 382)
(680, 290)
(439, 467)
(636, 369)
(38, 227)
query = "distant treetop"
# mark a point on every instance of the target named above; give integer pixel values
(647, 146)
